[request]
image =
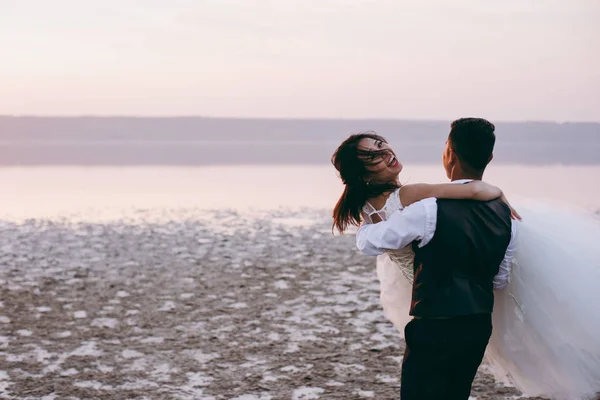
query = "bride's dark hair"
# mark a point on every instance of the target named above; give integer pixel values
(351, 161)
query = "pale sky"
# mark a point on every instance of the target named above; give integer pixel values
(504, 60)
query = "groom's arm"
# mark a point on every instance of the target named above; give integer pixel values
(415, 222)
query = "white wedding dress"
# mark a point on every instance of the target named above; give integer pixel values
(546, 336)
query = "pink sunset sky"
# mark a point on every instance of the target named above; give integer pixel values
(506, 60)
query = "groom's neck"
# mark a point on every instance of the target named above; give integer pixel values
(458, 175)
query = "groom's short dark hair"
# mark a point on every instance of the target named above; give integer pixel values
(472, 140)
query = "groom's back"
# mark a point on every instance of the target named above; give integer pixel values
(454, 272)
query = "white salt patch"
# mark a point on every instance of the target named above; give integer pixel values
(105, 368)
(92, 385)
(292, 276)
(267, 377)
(201, 357)
(51, 396)
(41, 355)
(340, 369)
(132, 312)
(365, 393)
(69, 372)
(64, 334)
(130, 264)
(274, 336)
(197, 325)
(334, 383)
(239, 305)
(43, 309)
(127, 354)
(398, 359)
(114, 301)
(386, 379)
(4, 376)
(198, 379)
(292, 348)
(356, 346)
(303, 336)
(105, 323)
(152, 340)
(253, 362)
(80, 314)
(14, 358)
(227, 328)
(4, 390)
(138, 385)
(87, 349)
(186, 295)
(253, 397)
(140, 364)
(307, 393)
(163, 371)
(291, 368)
(4, 320)
(4, 342)
(122, 294)
(24, 332)
(281, 284)
(168, 306)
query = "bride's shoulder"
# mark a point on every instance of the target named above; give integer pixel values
(394, 201)
(380, 202)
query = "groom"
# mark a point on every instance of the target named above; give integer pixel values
(463, 250)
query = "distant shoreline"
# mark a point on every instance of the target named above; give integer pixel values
(192, 141)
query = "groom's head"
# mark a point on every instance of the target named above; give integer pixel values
(469, 148)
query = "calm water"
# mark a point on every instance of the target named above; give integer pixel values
(95, 192)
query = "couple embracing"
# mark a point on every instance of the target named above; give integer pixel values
(445, 252)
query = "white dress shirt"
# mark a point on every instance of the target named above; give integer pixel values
(418, 222)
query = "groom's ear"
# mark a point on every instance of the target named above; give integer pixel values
(452, 159)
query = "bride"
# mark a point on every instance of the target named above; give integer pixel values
(546, 337)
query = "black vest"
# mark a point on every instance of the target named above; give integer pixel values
(454, 272)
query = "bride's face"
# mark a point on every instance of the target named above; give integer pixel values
(383, 166)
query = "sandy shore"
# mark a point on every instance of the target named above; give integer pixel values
(195, 305)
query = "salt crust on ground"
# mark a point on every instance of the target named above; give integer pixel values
(192, 304)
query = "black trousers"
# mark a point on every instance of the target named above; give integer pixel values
(442, 356)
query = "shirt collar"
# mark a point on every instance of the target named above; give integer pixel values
(462, 181)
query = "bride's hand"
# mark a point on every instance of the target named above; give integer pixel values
(513, 213)
(485, 192)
